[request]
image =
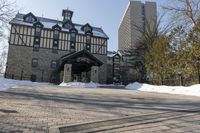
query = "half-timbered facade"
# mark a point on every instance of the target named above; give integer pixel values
(37, 47)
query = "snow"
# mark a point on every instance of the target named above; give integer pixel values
(49, 23)
(87, 85)
(190, 91)
(10, 83)
(79, 85)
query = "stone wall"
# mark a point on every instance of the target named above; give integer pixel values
(20, 59)
(102, 69)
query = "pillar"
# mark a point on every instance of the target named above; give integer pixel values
(84, 77)
(61, 76)
(94, 74)
(67, 77)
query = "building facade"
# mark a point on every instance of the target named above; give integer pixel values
(47, 50)
(137, 17)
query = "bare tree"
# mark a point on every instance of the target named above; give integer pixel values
(183, 12)
(152, 31)
(7, 11)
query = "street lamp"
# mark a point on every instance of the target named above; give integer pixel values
(161, 74)
(198, 72)
(181, 77)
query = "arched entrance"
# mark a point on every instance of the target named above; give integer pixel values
(79, 66)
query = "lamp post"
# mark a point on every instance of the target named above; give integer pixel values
(198, 72)
(181, 78)
(161, 75)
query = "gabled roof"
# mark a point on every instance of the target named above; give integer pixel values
(30, 14)
(56, 26)
(86, 25)
(38, 23)
(68, 22)
(74, 55)
(49, 23)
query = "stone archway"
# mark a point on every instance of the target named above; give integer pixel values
(80, 66)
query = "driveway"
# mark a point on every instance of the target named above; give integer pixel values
(58, 109)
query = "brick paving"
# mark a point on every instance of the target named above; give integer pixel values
(38, 109)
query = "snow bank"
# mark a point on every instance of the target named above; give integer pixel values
(9, 83)
(87, 85)
(191, 91)
(79, 85)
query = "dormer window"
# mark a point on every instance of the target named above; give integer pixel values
(29, 18)
(87, 29)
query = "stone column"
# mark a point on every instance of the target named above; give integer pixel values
(67, 73)
(61, 76)
(94, 74)
(83, 76)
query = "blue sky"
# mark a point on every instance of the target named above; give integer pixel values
(100, 13)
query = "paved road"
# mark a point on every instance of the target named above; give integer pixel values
(43, 109)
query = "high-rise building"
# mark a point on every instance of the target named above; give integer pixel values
(137, 15)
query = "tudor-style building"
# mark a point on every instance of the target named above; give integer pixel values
(47, 50)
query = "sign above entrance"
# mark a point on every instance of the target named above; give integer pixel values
(83, 59)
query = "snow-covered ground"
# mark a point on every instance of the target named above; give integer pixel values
(79, 85)
(9, 83)
(86, 85)
(191, 90)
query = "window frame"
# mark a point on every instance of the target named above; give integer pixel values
(53, 66)
(35, 64)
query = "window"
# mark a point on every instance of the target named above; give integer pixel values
(87, 28)
(72, 48)
(36, 47)
(53, 64)
(29, 19)
(55, 42)
(55, 49)
(37, 40)
(67, 16)
(73, 41)
(38, 30)
(73, 36)
(56, 34)
(88, 39)
(143, 10)
(34, 62)
(68, 26)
